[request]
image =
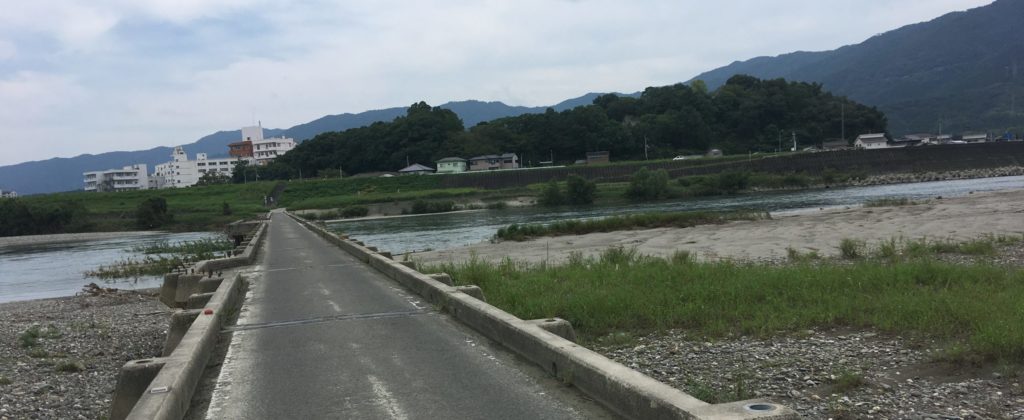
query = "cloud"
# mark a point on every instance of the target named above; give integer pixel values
(132, 74)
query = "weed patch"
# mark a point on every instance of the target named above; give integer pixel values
(517, 232)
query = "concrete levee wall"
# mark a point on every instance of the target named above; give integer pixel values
(624, 390)
(162, 387)
(872, 162)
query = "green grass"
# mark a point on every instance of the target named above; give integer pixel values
(847, 381)
(194, 208)
(5, 380)
(69, 366)
(202, 246)
(517, 232)
(977, 305)
(30, 337)
(894, 249)
(335, 193)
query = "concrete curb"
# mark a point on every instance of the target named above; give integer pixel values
(162, 388)
(623, 390)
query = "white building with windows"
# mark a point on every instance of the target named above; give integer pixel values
(181, 172)
(8, 194)
(128, 178)
(871, 141)
(265, 150)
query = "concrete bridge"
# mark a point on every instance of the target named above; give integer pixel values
(330, 328)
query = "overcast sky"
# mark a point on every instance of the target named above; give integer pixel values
(103, 75)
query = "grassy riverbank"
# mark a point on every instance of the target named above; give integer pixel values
(976, 307)
(524, 232)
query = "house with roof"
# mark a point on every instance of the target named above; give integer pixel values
(975, 138)
(871, 141)
(451, 165)
(494, 162)
(416, 169)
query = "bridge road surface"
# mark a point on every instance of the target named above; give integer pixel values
(323, 335)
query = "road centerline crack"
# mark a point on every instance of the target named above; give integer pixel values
(323, 319)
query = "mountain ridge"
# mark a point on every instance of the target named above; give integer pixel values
(64, 173)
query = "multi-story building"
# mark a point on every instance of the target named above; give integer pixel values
(8, 194)
(128, 178)
(181, 172)
(493, 162)
(255, 146)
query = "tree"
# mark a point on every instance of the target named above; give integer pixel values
(578, 190)
(551, 195)
(648, 185)
(152, 213)
(213, 178)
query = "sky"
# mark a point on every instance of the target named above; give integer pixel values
(104, 75)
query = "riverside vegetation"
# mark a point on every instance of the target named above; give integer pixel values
(161, 258)
(522, 232)
(973, 306)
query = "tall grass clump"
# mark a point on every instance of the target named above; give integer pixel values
(521, 232)
(976, 305)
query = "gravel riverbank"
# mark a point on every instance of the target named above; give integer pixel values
(69, 367)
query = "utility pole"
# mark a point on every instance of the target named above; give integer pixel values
(842, 120)
(645, 147)
(794, 141)
(779, 149)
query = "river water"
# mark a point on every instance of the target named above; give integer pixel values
(57, 269)
(448, 230)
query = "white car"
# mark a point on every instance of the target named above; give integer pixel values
(680, 157)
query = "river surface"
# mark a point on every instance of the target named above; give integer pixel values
(57, 269)
(404, 234)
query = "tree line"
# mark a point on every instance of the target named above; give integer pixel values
(744, 115)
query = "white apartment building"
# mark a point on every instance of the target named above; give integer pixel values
(265, 150)
(181, 172)
(128, 178)
(8, 194)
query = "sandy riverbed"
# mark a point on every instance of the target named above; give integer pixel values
(958, 218)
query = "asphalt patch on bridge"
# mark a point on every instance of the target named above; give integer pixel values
(320, 320)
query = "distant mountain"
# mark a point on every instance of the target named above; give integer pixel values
(65, 174)
(962, 70)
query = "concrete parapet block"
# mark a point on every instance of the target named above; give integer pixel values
(209, 285)
(556, 326)
(198, 300)
(473, 291)
(372, 248)
(180, 322)
(170, 392)
(132, 382)
(386, 254)
(410, 264)
(187, 285)
(749, 409)
(169, 290)
(441, 277)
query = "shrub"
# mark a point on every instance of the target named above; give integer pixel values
(551, 195)
(152, 213)
(851, 248)
(579, 190)
(424, 207)
(70, 366)
(648, 185)
(355, 211)
(733, 181)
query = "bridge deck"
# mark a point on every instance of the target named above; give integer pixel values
(321, 335)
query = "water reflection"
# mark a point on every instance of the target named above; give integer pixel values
(441, 231)
(56, 269)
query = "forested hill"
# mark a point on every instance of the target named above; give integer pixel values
(65, 174)
(746, 114)
(963, 69)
